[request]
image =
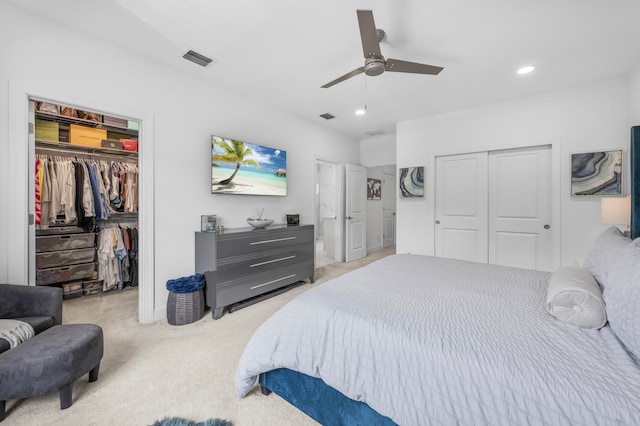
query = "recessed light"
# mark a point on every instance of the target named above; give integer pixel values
(360, 112)
(526, 70)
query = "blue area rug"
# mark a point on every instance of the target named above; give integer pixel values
(177, 421)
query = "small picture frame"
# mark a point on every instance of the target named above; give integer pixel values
(374, 189)
(411, 182)
(293, 219)
(597, 173)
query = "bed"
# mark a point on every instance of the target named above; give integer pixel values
(413, 339)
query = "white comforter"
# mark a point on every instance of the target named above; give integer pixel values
(427, 340)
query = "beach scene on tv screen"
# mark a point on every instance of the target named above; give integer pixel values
(243, 168)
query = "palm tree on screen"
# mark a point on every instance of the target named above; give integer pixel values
(234, 152)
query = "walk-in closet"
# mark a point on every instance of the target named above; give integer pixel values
(85, 200)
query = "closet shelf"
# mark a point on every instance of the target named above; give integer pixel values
(68, 148)
(89, 123)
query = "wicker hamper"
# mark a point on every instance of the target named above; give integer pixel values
(186, 300)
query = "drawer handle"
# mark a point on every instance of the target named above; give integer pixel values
(65, 237)
(271, 261)
(272, 241)
(271, 282)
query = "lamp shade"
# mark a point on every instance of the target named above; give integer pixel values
(615, 211)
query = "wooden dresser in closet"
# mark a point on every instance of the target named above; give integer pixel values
(248, 265)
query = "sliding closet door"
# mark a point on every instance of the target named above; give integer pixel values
(461, 207)
(520, 208)
(495, 207)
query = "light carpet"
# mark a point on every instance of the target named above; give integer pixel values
(154, 371)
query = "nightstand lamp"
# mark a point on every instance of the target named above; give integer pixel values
(616, 211)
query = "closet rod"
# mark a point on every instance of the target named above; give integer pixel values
(84, 154)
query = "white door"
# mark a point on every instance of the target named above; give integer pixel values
(356, 212)
(461, 207)
(388, 209)
(520, 208)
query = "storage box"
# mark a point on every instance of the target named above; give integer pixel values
(65, 273)
(92, 287)
(64, 257)
(86, 136)
(115, 122)
(129, 144)
(133, 125)
(47, 130)
(71, 290)
(111, 144)
(64, 242)
(48, 108)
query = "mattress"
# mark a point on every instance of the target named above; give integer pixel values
(424, 339)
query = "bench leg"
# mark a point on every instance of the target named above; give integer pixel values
(93, 374)
(2, 407)
(66, 397)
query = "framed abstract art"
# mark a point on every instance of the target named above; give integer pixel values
(596, 173)
(411, 182)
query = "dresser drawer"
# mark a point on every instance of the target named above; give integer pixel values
(232, 268)
(262, 240)
(65, 257)
(252, 286)
(64, 242)
(65, 273)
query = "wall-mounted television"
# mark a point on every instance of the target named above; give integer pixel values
(239, 167)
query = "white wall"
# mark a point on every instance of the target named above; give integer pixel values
(185, 111)
(579, 119)
(634, 96)
(378, 150)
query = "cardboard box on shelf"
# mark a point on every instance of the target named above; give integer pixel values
(86, 136)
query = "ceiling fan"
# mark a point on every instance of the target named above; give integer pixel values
(374, 62)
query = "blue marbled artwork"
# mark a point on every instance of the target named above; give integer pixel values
(412, 182)
(596, 173)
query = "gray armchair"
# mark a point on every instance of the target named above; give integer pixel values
(39, 306)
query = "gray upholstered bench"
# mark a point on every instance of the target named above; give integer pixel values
(51, 360)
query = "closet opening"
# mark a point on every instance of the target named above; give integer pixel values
(85, 201)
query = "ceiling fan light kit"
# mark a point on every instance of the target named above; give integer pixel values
(374, 62)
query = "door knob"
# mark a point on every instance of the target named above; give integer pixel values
(348, 218)
(437, 222)
(547, 227)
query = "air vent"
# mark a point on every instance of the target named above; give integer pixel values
(327, 116)
(197, 58)
(374, 132)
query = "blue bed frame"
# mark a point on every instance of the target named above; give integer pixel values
(319, 401)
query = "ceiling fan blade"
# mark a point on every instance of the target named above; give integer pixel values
(344, 77)
(396, 65)
(368, 34)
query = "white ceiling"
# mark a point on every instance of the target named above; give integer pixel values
(280, 52)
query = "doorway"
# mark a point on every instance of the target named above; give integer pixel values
(327, 211)
(20, 222)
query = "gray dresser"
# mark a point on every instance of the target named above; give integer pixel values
(246, 264)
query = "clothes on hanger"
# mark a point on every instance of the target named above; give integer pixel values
(70, 190)
(117, 255)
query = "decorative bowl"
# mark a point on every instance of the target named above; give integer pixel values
(259, 223)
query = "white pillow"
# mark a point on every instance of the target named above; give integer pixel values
(573, 296)
(622, 297)
(608, 246)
